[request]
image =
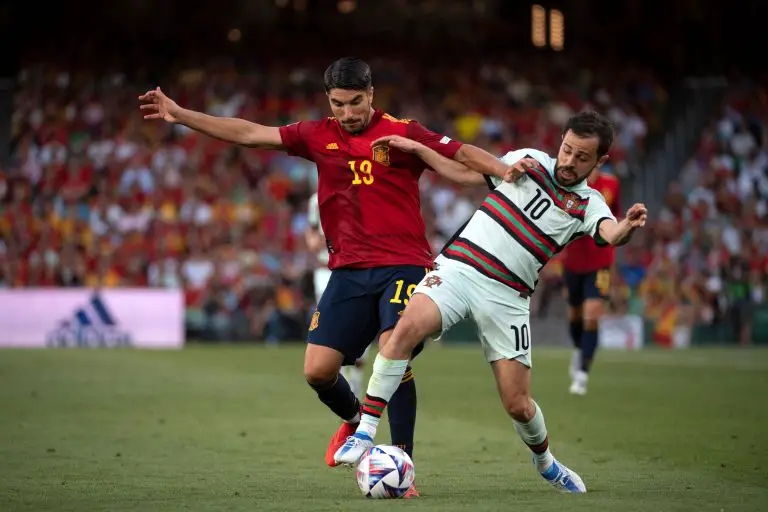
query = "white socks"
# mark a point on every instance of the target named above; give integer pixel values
(386, 378)
(354, 376)
(534, 433)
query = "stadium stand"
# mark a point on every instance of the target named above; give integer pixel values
(702, 267)
(93, 196)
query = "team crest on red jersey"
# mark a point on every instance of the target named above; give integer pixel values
(381, 155)
(431, 281)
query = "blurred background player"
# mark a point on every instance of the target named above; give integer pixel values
(587, 277)
(321, 275)
(369, 205)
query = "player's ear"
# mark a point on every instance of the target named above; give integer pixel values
(601, 161)
(370, 94)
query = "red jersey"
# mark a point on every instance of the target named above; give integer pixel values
(370, 207)
(583, 254)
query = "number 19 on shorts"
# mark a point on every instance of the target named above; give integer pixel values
(522, 336)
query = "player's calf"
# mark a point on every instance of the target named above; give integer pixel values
(321, 370)
(519, 406)
(576, 330)
(402, 413)
(513, 381)
(593, 312)
(420, 318)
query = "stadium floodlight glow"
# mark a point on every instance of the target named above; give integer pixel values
(347, 6)
(556, 30)
(234, 35)
(538, 26)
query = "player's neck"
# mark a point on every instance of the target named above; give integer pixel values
(371, 115)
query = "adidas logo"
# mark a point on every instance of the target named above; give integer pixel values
(332, 145)
(90, 326)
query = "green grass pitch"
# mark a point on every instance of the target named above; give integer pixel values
(236, 428)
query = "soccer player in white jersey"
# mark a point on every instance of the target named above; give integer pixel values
(316, 243)
(489, 271)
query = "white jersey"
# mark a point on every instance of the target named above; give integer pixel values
(313, 217)
(522, 225)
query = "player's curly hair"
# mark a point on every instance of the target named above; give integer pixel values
(348, 73)
(589, 124)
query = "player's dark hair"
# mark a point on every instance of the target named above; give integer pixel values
(591, 124)
(348, 73)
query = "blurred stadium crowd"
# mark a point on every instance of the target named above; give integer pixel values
(95, 196)
(705, 260)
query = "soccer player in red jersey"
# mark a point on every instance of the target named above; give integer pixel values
(370, 214)
(587, 279)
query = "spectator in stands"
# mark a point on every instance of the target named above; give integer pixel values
(708, 265)
(94, 198)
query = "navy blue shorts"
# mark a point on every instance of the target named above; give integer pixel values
(587, 285)
(359, 304)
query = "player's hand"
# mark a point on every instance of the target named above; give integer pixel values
(404, 144)
(158, 106)
(637, 215)
(518, 169)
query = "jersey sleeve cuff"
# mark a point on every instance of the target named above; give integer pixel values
(291, 140)
(598, 239)
(451, 148)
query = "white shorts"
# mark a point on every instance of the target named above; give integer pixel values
(501, 315)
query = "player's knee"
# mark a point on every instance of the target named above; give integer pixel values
(405, 337)
(318, 375)
(520, 407)
(359, 363)
(575, 313)
(593, 312)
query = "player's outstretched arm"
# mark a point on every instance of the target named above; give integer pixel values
(481, 161)
(454, 169)
(238, 131)
(451, 169)
(619, 233)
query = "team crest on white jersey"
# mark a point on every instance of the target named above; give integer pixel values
(522, 225)
(571, 200)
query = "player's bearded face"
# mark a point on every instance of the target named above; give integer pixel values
(577, 159)
(352, 108)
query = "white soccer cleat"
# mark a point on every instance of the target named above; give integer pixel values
(353, 449)
(575, 364)
(579, 384)
(564, 479)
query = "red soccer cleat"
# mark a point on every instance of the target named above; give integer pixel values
(411, 493)
(338, 439)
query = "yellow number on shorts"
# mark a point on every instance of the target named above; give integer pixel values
(409, 291)
(603, 281)
(365, 168)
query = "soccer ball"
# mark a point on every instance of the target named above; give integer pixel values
(385, 472)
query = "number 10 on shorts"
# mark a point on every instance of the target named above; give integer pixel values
(522, 337)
